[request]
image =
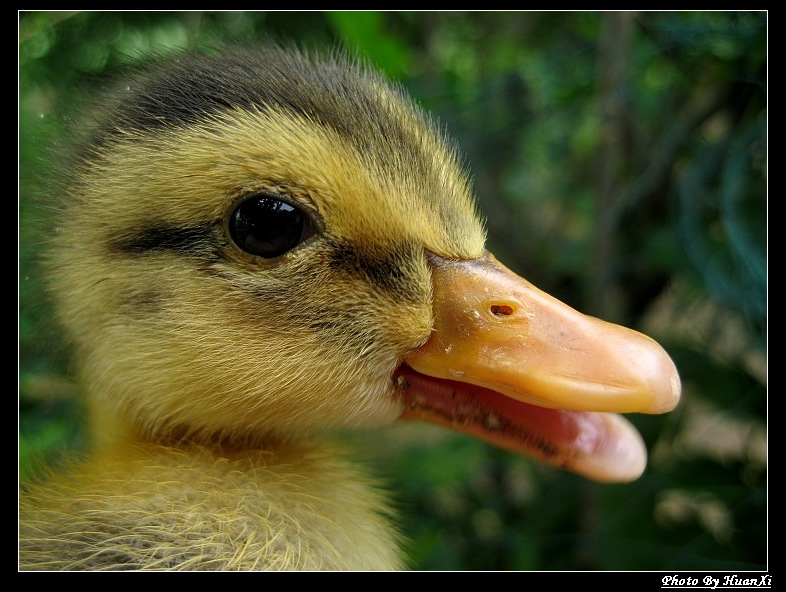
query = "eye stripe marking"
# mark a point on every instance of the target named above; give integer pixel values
(189, 240)
(384, 271)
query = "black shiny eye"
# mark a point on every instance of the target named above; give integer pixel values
(266, 226)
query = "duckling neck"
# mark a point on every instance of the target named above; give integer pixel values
(190, 506)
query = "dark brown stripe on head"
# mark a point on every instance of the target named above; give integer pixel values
(335, 93)
(388, 271)
(200, 240)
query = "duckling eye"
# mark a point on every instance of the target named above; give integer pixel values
(268, 227)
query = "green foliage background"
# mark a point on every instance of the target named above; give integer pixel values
(621, 161)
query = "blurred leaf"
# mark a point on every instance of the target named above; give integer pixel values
(366, 32)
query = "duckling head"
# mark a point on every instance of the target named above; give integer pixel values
(262, 244)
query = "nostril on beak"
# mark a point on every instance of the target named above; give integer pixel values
(501, 310)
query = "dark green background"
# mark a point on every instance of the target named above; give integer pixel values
(620, 161)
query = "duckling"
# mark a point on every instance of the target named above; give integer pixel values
(260, 247)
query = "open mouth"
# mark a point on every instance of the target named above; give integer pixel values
(601, 446)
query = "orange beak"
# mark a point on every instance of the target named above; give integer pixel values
(509, 364)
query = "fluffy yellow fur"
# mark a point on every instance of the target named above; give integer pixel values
(165, 508)
(207, 375)
(248, 364)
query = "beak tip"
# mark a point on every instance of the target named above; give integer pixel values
(665, 383)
